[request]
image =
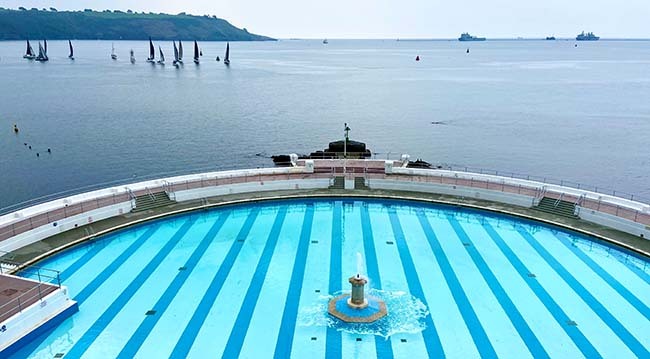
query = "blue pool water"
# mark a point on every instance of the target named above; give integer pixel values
(253, 281)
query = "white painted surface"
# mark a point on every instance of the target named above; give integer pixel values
(612, 221)
(35, 315)
(460, 191)
(205, 192)
(255, 185)
(48, 230)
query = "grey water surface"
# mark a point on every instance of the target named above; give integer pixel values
(545, 108)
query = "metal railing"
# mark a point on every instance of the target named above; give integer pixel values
(548, 180)
(328, 172)
(47, 279)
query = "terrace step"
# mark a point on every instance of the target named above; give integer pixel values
(560, 208)
(339, 183)
(153, 200)
(360, 183)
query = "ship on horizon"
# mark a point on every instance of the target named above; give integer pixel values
(467, 37)
(587, 37)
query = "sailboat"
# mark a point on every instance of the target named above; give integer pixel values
(45, 47)
(162, 56)
(180, 52)
(152, 53)
(42, 53)
(29, 54)
(71, 56)
(218, 59)
(132, 57)
(113, 56)
(176, 62)
(196, 53)
(226, 60)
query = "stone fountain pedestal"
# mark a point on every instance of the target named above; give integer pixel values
(354, 307)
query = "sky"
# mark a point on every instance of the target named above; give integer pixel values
(398, 19)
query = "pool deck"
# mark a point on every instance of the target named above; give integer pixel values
(39, 250)
(13, 287)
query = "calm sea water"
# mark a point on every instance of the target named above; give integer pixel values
(545, 108)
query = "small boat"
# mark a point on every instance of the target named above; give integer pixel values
(226, 60)
(175, 62)
(42, 54)
(196, 53)
(218, 59)
(180, 52)
(325, 42)
(417, 58)
(162, 56)
(132, 57)
(113, 56)
(29, 54)
(550, 37)
(152, 52)
(71, 56)
(201, 53)
(468, 50)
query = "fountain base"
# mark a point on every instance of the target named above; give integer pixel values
(371, 310)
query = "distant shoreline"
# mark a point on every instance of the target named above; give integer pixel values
(117, 25)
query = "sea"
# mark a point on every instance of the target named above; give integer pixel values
(575, 112)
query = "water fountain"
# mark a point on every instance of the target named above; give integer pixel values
(355, 307)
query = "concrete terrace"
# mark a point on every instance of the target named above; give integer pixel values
(39, 250)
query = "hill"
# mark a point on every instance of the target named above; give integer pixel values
(116, 25)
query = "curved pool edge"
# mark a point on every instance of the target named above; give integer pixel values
(473, 204)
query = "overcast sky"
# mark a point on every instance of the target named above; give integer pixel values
(399, 18)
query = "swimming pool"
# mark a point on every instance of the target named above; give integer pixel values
(249, 281)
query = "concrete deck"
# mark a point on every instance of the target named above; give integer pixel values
(29, 292)
(39, 250)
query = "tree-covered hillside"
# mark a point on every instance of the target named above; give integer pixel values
(116, 25)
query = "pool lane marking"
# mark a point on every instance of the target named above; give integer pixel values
(138, 337)
(383, 346)
(583, 344)
(84, 259)
(95, 283)
(613, 282)
(617, 327)
(238, 332)
(112, 311)
(288, 324)
(480, 338)
(430, 334)
(184, 343)
(333, 344)
(532, 343)
(114, 265)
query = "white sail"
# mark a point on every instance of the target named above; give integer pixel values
(132, 57)
(162, 56)
(175, 54)
(196, 53)
(113, 56)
